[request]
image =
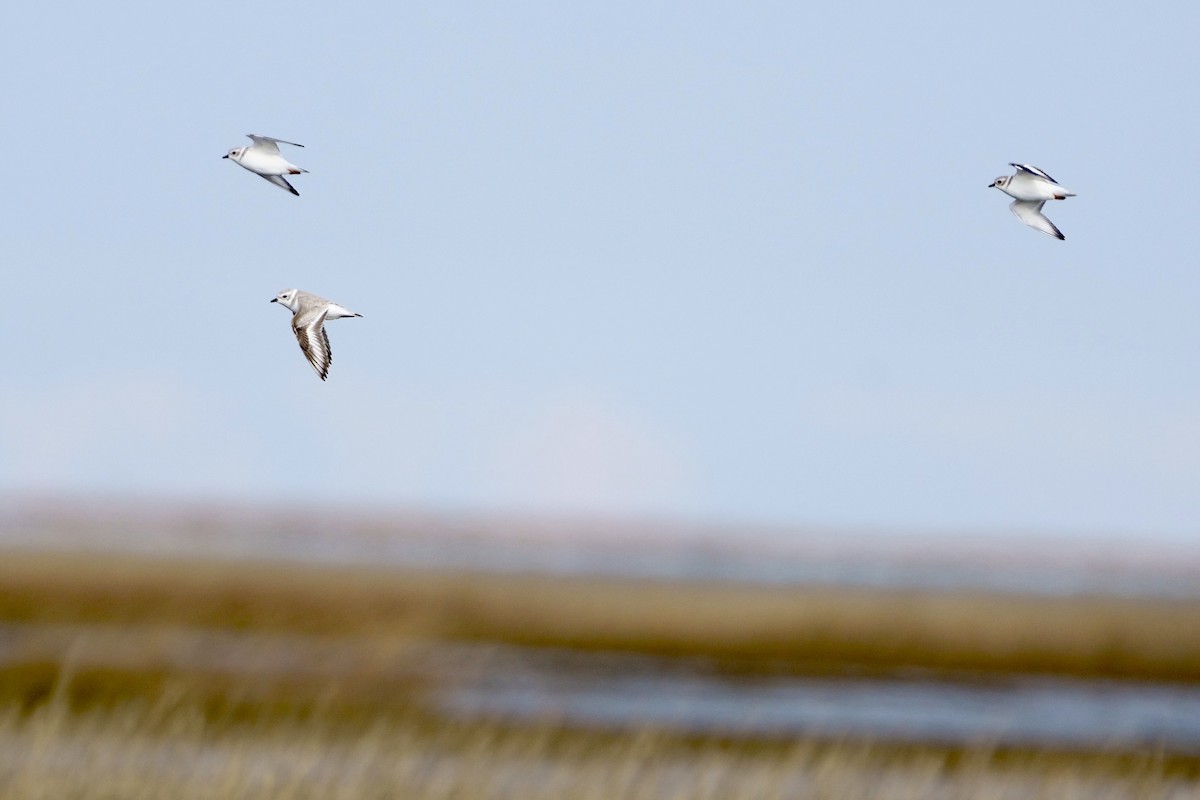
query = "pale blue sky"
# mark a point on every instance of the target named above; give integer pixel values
(716, 262)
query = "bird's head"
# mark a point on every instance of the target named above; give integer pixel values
(287, 299)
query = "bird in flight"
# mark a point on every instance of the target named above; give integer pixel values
(264, 160)
(309, 314)
(1031, 188)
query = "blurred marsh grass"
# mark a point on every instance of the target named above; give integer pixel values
(744, 628)
(171, 745)
(143, 678)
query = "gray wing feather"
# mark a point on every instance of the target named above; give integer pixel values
(270, 142)
(314, 342)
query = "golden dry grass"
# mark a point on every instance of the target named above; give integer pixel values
(745, 628)
(173, 746)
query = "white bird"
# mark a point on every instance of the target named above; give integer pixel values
(264, 160)
(1031, 188)
(308, 323)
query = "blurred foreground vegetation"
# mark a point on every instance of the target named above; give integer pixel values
(129, 677)
(174, 746)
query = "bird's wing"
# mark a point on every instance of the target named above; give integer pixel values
(314, 341)
(279, 181)
(1030, 212)
(1033, 171)
(269, 143)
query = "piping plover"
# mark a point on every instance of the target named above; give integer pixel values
(263, 159)
(308, 323)
(1031, 188)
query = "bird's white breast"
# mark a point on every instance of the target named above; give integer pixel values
(264, 163)
(1027, 187)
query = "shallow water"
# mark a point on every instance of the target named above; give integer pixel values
(630, 691)
(625, 690)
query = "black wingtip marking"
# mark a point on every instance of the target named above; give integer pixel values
(1032, 170)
